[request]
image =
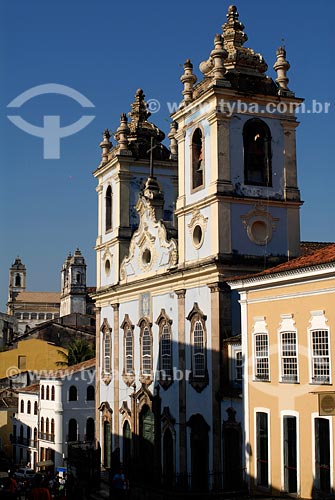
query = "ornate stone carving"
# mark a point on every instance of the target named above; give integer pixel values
(197, 227)
(259, 224)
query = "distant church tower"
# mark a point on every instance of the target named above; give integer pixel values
(73, 285)
(17, 278)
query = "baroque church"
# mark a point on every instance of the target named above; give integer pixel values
(174, 225)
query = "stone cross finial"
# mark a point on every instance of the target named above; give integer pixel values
(281, 66)
(218, 55)
(105, 145)
(188, 79)
(173, 140)
(122, 132)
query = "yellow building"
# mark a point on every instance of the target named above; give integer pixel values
(288, 346)
(29, 355)
(8, 407)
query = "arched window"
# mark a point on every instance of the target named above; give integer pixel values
(35, 437)
(198, 350)
(22, 406)
(35, 408)
(90, 393)
(108, 202)
(197, 159)
(199, 374)
(42, 392)
(42, 424)
(90, 429)
(17, 280)
(257, 153)
(165, 349)
(53, 393)
(29, 407)
(128, 373)
(47, 426)
(146, 350)
(47, 393)
(78, 278)
(73, 394)
(72, 436)
(52, 429)
(128, 349)
(106, 355)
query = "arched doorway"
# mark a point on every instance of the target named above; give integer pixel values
(107, 444)
(147, 439)
(199, 452)
(168, 459)
(126, 446)
(90, 429)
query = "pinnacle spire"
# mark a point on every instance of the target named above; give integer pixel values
(139, 112)
(281, 66)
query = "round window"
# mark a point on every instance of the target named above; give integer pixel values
(146, 257)
(197, 236)
(107, 266)
(259, 231)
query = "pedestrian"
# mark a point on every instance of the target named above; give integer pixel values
(38, 490)
(120, 484)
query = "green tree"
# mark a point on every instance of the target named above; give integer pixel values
(78, 350)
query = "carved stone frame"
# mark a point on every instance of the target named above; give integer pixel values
(198, 382)
(128, 377)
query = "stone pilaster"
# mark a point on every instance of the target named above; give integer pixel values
(182, 383)
(116, 369)
(221, 319)
(97, 373)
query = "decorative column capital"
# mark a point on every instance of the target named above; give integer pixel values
(115, 306)
(180, 293)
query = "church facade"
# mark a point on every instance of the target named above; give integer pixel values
(174, 225)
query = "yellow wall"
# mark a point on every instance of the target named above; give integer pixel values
(299, 300)
(40, 355)
(6, 430)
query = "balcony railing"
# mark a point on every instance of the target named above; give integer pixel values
(46, 437)
(23, 441)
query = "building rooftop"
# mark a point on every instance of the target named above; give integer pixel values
(46, 297)
(63, 372)
(31, 389)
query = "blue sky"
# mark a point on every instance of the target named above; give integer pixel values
(106, 50)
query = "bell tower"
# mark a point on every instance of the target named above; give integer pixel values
(238, 197)
(121, 175)
(17, 278)
(73, 285)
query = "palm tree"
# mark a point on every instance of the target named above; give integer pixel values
(78, 350)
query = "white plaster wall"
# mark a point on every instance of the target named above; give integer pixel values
(278, 245)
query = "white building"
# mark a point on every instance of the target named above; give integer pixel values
(25, 427)
(57, 411)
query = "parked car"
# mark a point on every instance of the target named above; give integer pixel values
(25, 473)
